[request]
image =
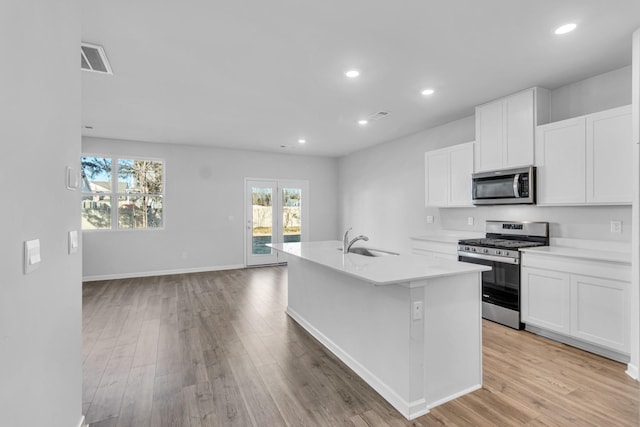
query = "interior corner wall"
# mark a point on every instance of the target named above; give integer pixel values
(634, 364)
(382, 188)
(203, 208)
(40, 312)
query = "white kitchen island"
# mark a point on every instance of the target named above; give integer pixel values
(410, 326)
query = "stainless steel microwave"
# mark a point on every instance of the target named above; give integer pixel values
(504, 187)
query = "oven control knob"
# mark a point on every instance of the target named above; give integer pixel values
(473, 249)
(466, 248)
(498, 252)
(485, 251)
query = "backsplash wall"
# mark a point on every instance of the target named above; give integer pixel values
(585, 222)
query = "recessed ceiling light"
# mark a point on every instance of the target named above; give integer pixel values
(302, 141)
(567, 28)
(427, 92)
(352, 73)
(363, 122)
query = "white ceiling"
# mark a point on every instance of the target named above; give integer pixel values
(255, 74)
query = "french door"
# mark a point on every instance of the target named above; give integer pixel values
(276, 212)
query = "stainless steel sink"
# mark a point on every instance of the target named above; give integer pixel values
(370, 252)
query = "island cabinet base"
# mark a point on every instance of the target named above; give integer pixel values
(418, 344)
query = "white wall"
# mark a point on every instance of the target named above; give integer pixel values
(382, 188)
(40, 313)
(204, 187)
(601, 92)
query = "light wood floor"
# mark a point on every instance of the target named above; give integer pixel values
(217, 349)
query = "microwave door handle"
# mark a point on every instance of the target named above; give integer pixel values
(516, 185)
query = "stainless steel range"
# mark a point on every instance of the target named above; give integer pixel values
(500, 250)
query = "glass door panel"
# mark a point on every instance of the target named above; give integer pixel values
(261, 222)
(291, 214)
(262, 212)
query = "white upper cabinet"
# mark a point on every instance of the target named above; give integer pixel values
(505, 129)
(585, 160)
(448, 176)
(560, 161)
(437, 178)
(489, 136)
(609, 156)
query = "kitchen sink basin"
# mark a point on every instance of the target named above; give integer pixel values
(370, 252)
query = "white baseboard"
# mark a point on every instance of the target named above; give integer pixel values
(633, 372)
(410, 410)
(161, 272)
(582, 345)
(455, 396)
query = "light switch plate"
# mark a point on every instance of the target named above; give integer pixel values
(73, 178)
(470, 220)
(31, 255)
(73, 242)
(429, 219)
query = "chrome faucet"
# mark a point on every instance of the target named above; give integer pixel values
(346, 244)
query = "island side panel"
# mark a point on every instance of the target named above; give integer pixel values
(453, 337)
(366, 326)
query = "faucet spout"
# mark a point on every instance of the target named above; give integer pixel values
(355, 239)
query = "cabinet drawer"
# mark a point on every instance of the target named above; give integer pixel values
(439, 247)
(604, 269)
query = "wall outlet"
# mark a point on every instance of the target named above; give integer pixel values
(470, 220)
(616, 226)
(429, 219)
(417, 310)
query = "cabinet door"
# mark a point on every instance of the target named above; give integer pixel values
(489, 136)
(460, 170)
(520, 129)
(560, 161)
(600, 311)
(545, 299)
(436, 176)
(609, 156)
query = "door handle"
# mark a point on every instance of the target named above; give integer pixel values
(516, 185)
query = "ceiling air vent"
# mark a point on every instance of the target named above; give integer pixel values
(377, 116)
(94, 59)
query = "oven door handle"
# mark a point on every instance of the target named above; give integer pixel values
(504, 260)
(516, 186)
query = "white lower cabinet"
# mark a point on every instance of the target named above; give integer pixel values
(586, 301)
(600, 311)
(546, 299)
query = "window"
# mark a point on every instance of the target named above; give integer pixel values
(134, 187)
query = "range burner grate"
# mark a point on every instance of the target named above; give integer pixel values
(500, 243)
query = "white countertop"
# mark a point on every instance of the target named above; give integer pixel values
(581, 253)
(385, 270)
(449, 236)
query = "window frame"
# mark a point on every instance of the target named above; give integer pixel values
(114, 194)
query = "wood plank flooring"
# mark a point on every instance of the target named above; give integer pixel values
(217, 349)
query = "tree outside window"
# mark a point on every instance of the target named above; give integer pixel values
(137, 186)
